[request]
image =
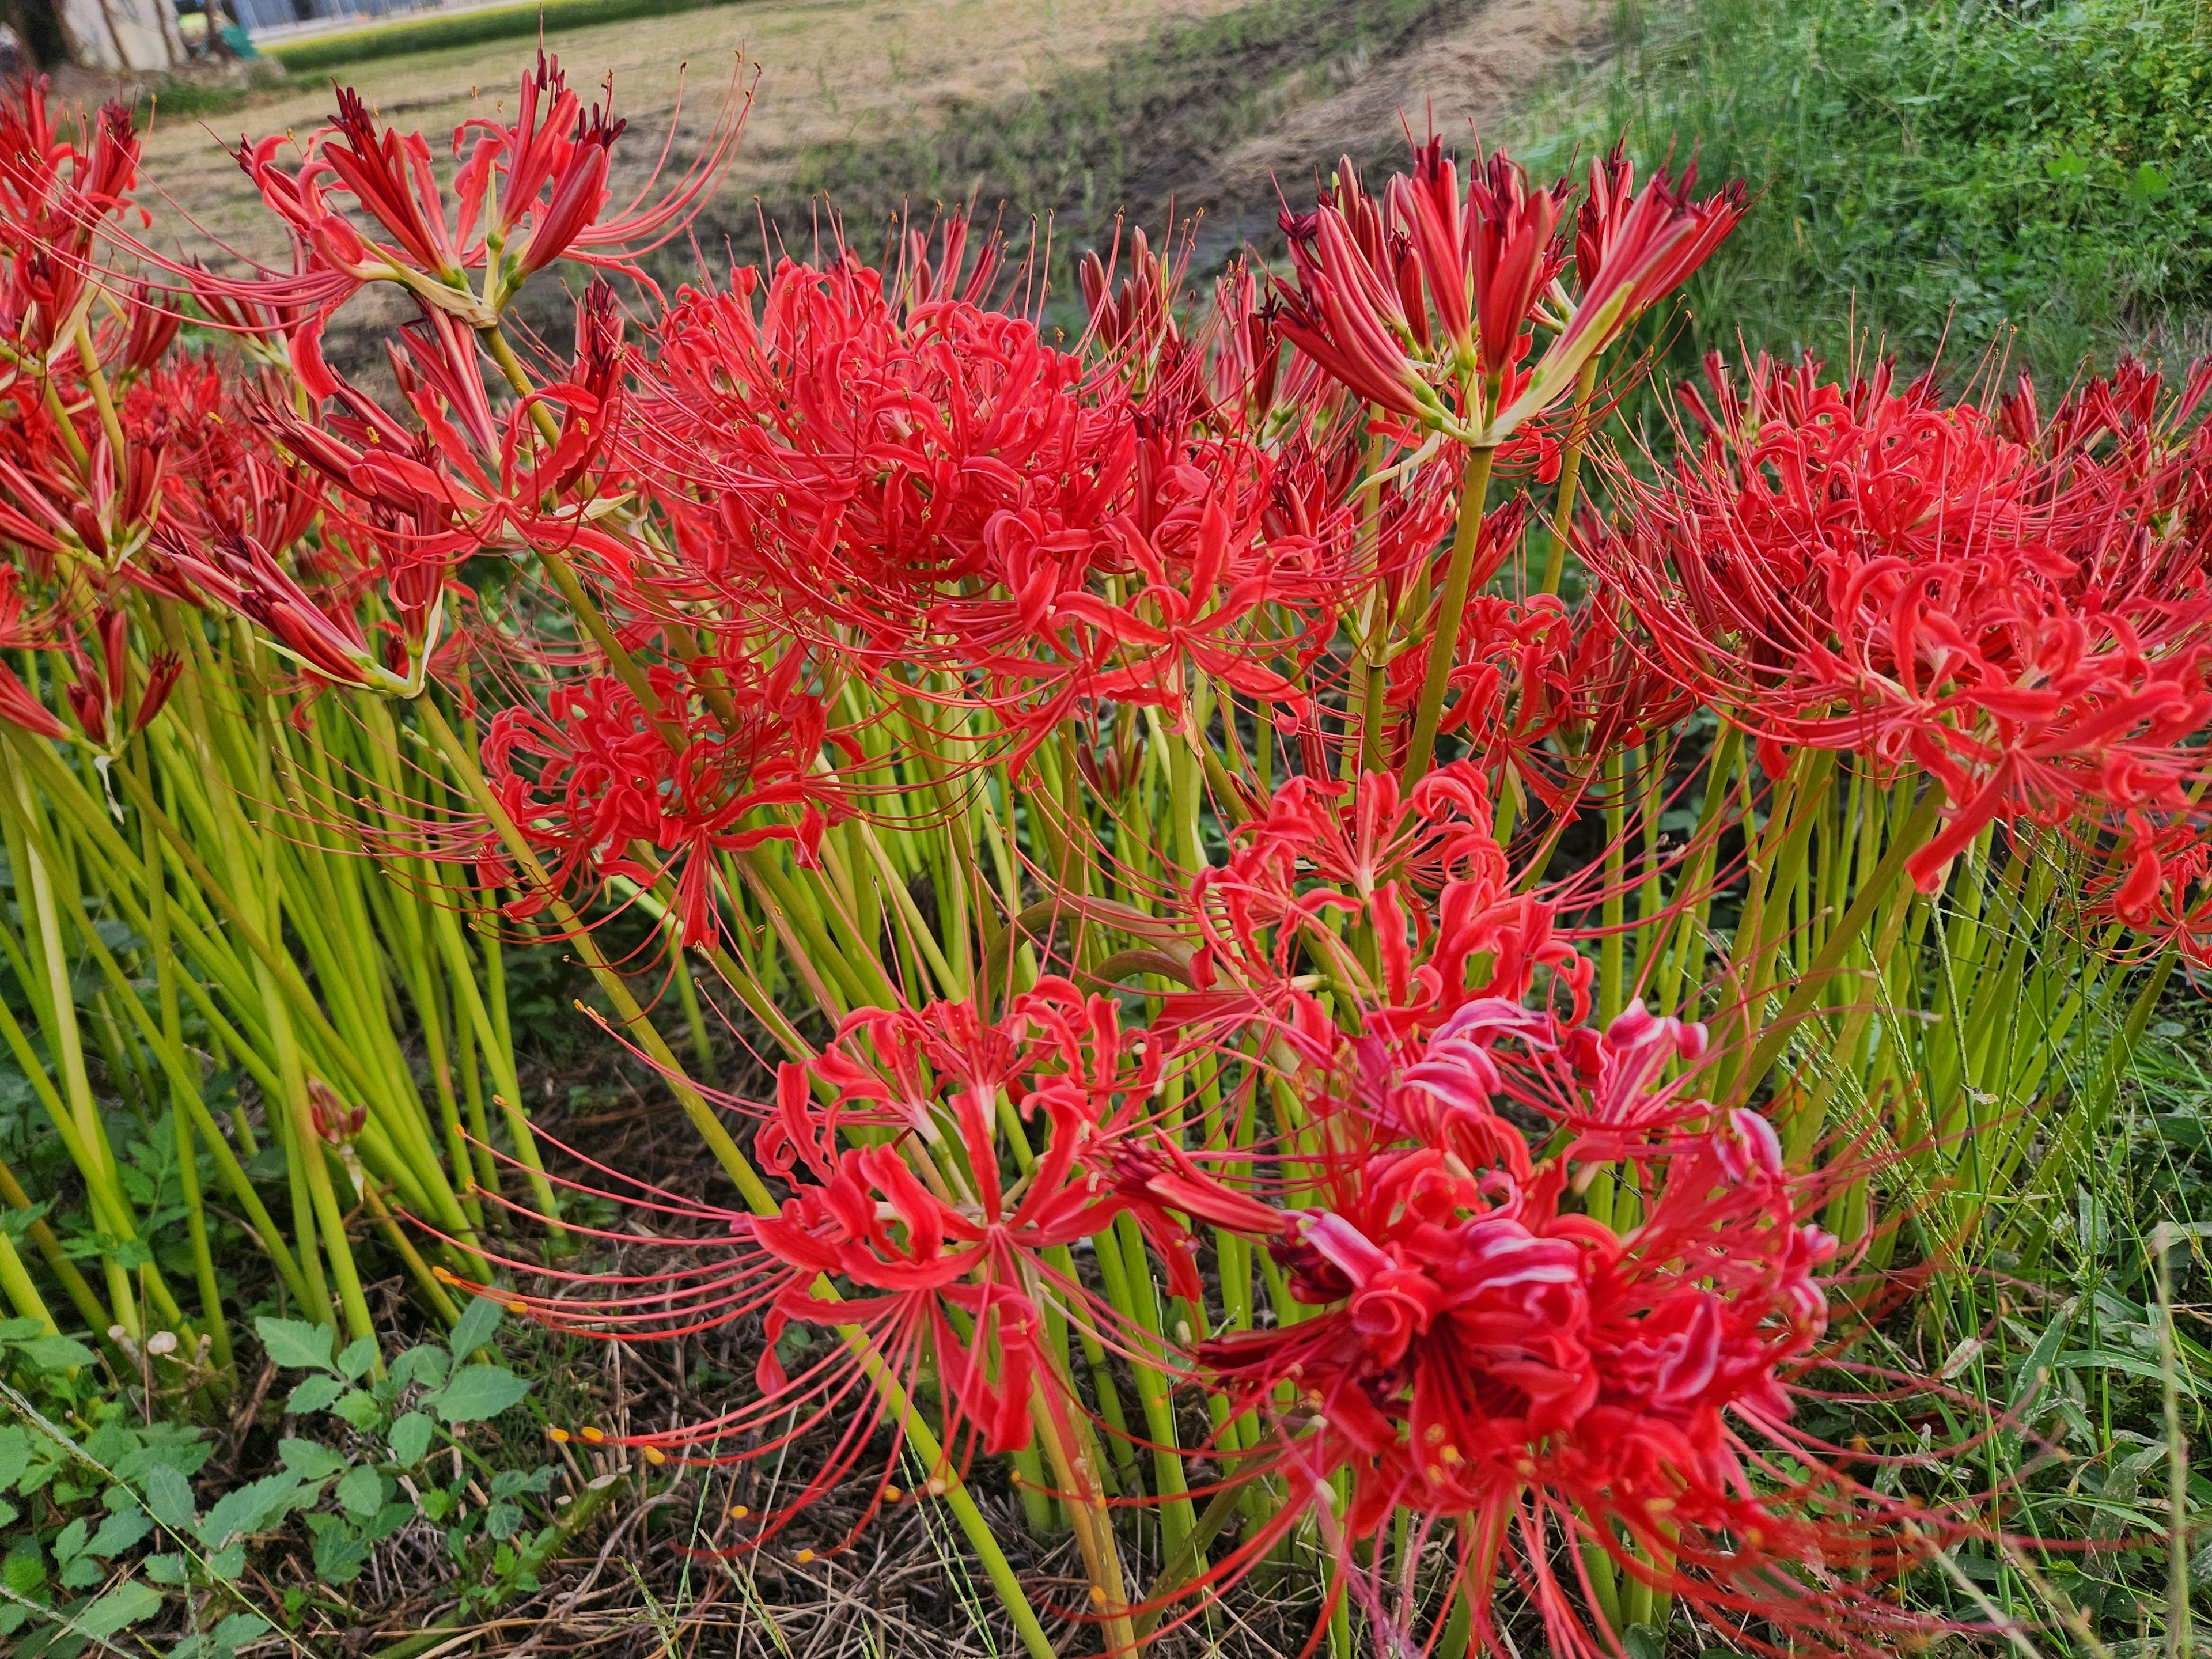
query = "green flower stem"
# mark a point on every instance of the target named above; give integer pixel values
(1914, 834)
(73, 1283)
(635, 1024)
(1570, 472)
(1444, 642)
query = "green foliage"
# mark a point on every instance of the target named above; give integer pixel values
(468, 28)
(1932, 173)
(74, 1518)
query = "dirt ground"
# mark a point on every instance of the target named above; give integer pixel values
(890, 100)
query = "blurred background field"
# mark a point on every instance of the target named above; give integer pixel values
(1932, 177)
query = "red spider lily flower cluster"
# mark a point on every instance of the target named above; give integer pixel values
(611, 787)
(814, 556)
(1488, 263)
(1861, 566)
(1494, 1362)
(527, 192)
(913, 1248)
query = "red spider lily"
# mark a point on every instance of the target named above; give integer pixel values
(1854, 568)
(1425, 873)
(1199, 574)
(1644, 243)
(1350, 318)
(1510, 256)
(1495, 1362)
(56, 190)
(878, 473)
(529, 192)
(1486, 262)
(939, 1258)
(18, 706)
(97, 694)
(2155, 880)
(465, 475)
(236, 571)
(607, 787)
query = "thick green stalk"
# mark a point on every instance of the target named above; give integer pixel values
(1570, 472)
(1444, 642)
(635, 1024)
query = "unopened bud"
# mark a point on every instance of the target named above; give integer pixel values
(337, 1123)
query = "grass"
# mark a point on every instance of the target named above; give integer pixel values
(1935, 175)
(468, 28)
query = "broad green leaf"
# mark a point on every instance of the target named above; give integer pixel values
(475, 1327)
(314, 1395)
(358, 1357)
(296, 1343)
(410, 1439)
(169, 1496)
(478, 1392)
(244, 1512)
(120, 1532)
(15, 1454)
(359, 1408)
(360, 1491)
(310, 1459)
(126, 1605)
(55, 1353)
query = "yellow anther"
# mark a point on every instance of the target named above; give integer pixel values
(653, 1456)
(804, 1556)
(594, 1436)
(739, 1511)
(557, 1435)
(892, 1494)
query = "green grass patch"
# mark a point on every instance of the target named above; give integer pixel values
(468, 28)
(1936, 174)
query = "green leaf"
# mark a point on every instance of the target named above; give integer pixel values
(478, 1392)
(314, 1395)
(360, 1492)
(70, 1544)
(340, 1554)
(503, 1521)
(169, 1496)
(120, 1532)
(82, 1573)
(296, 1343)
(22, 1330)
(426, 1364)
(226, 1564)
(244, 1512)
(124, 1604)
(310, 1459)
(475, 1327)
(2148, 184)
(358, 1357)
(15, 1454)
(25, 1570)
(165, 1569)
(387, 1521)
(359, 1408)
(55, 1353)
(241, 1628)
(410, 1439)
